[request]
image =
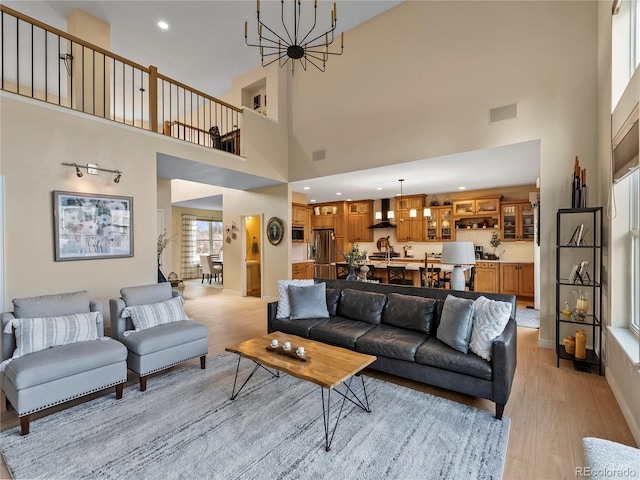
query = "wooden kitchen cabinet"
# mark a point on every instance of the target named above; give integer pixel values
(517, 279)
(408, 228)
(439, 226)
(322, 221)
(487, 277)
(360, 218)
(302, 270)
(480, 207)
(301, 217)
(518, 222)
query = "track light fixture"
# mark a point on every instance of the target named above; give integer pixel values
(93, 169)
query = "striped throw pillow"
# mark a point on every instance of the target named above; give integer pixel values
(284, 307)
(36, 334)
(154, 314)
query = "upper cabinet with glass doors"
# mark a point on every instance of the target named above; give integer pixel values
(518, 222)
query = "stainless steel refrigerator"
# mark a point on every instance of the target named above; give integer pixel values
(322, 252)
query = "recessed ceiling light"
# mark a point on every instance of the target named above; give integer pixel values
(348, 199)
(163, 25)
(338, 193)
(462, 188)
(379, 188)
(312, 200)
(306, 188)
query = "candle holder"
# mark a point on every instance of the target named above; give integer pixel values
(583, 305)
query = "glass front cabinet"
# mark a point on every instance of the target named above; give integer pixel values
(439, 225)
(518, 222)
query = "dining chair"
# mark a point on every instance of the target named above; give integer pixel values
(371, 274)
(430, 277)
(207, 267)
(396, 275)
(470, 284)
(342, 270)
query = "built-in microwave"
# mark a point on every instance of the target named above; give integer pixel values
(297, 234)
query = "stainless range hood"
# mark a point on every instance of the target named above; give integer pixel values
(385, 223)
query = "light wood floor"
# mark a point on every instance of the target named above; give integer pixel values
(551, 409)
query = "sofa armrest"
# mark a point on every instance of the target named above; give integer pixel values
(272, 309)
(118, 324)
(504, 358)
(8, 339)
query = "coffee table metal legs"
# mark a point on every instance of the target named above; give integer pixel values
(234, 394)
(326, 410)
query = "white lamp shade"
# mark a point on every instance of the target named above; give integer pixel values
(390, 214)
(458, 253)
(413, 213)
(427, 212)
(378, 215)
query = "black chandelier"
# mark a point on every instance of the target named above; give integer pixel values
(292, 44)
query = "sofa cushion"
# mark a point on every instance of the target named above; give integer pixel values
(296, 327)
(52, 305)
(63, 361)
(391, 342)
(437, 354)
(407, 311)
(308, 301)
(154, 314)
(146, 294)
(340, 331)
(362, 306)
(36, 334)
(456, 323)
(333, 297)
(489, 319)
(164, 336)
(284, 308)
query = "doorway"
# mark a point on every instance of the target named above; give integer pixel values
(252, 255)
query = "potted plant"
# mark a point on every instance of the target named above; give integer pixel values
(354, 258)
(495, 242)
(163, 241)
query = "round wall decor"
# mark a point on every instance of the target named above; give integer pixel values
(275, 231)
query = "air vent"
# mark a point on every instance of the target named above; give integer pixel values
(319, 155)
(503, 113)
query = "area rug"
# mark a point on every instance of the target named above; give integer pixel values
(611, 459)
(185, 426)
(528, 317)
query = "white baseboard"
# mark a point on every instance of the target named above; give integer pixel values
(626, 411)
(549, 344)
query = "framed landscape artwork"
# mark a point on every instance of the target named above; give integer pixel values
(92, 226)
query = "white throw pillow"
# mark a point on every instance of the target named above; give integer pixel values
(36, 334)
(284, 307)
(154, 314)
(489, 319)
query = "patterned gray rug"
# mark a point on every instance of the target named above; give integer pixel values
(185, 426)
(528, 317)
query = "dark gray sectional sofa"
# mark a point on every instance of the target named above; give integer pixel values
(388, 321)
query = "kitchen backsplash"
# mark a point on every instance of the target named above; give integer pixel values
(507, 251)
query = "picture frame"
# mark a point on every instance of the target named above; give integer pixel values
(275, 231)
(582, 275)
(92, 226)
(573, 275)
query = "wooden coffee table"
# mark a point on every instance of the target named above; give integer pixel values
(326, 366)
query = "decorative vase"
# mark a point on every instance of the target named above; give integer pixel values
(581, 345)
(570, 344)
(352, 275)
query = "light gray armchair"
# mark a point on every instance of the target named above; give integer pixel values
(36, 376)
(155, 348)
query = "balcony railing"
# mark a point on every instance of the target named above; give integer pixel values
(44, 63)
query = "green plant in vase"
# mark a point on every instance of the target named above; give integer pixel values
(353, 258)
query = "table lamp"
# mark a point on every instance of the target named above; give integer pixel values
(458, 254)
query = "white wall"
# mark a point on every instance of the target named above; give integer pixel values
(419, 80)
(37, 138)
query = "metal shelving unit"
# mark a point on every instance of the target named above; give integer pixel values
(585, 223)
